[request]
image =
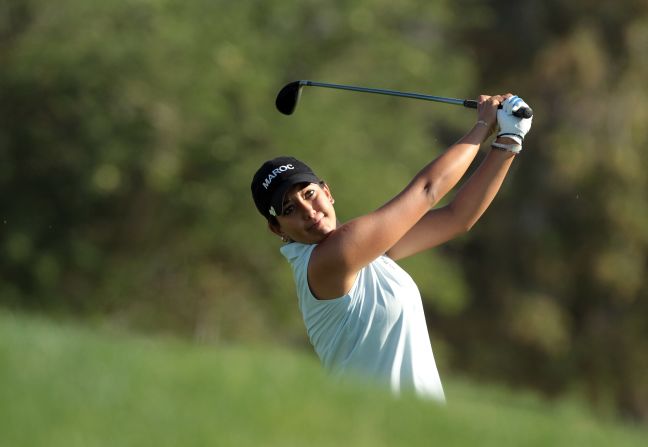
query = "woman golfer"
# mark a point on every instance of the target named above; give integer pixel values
(362, 312)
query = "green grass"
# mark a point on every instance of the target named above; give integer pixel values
(65, 385)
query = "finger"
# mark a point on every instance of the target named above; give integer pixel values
(497, 99)
(502, 99)
(482, 99)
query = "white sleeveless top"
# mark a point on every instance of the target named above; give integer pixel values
(377, 330)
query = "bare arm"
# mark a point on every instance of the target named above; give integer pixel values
(443, 224)
(336, 261)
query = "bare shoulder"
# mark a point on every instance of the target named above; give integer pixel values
(329, 275)
(336, 261)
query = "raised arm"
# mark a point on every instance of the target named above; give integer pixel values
(472, 200)
(442, 224)
(336, 261)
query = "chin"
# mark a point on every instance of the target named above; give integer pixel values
(326, 234)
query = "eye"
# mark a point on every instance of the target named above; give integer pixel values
(288, 209)
(309, 194)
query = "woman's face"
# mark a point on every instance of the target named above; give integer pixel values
(308, 214)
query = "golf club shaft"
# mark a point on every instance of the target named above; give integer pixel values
(472, 104)
(380, 91)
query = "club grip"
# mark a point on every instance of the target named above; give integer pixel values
(522, 112)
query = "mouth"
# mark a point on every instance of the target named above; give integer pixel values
(315, 224)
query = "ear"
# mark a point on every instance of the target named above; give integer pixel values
(276, 229)
(327, 191)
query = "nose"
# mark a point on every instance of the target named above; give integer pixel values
(306, 209)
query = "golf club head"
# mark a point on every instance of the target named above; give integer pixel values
(288, 97)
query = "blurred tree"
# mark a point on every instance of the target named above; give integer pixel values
(563, 295)
(129, 131)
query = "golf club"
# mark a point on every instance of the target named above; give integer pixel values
(289, 96)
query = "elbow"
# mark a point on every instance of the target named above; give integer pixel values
(463, 222)
(471, 221)
(462, 228)
(467, 226)
(432, 193)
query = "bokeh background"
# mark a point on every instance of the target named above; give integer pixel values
(130, 130)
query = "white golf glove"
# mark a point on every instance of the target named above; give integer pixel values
(511, 126)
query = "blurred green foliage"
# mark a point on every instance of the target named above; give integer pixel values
(130, 129)
(100, 389)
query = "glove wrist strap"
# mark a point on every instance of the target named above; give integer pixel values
(515, 137)
(515, 148)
